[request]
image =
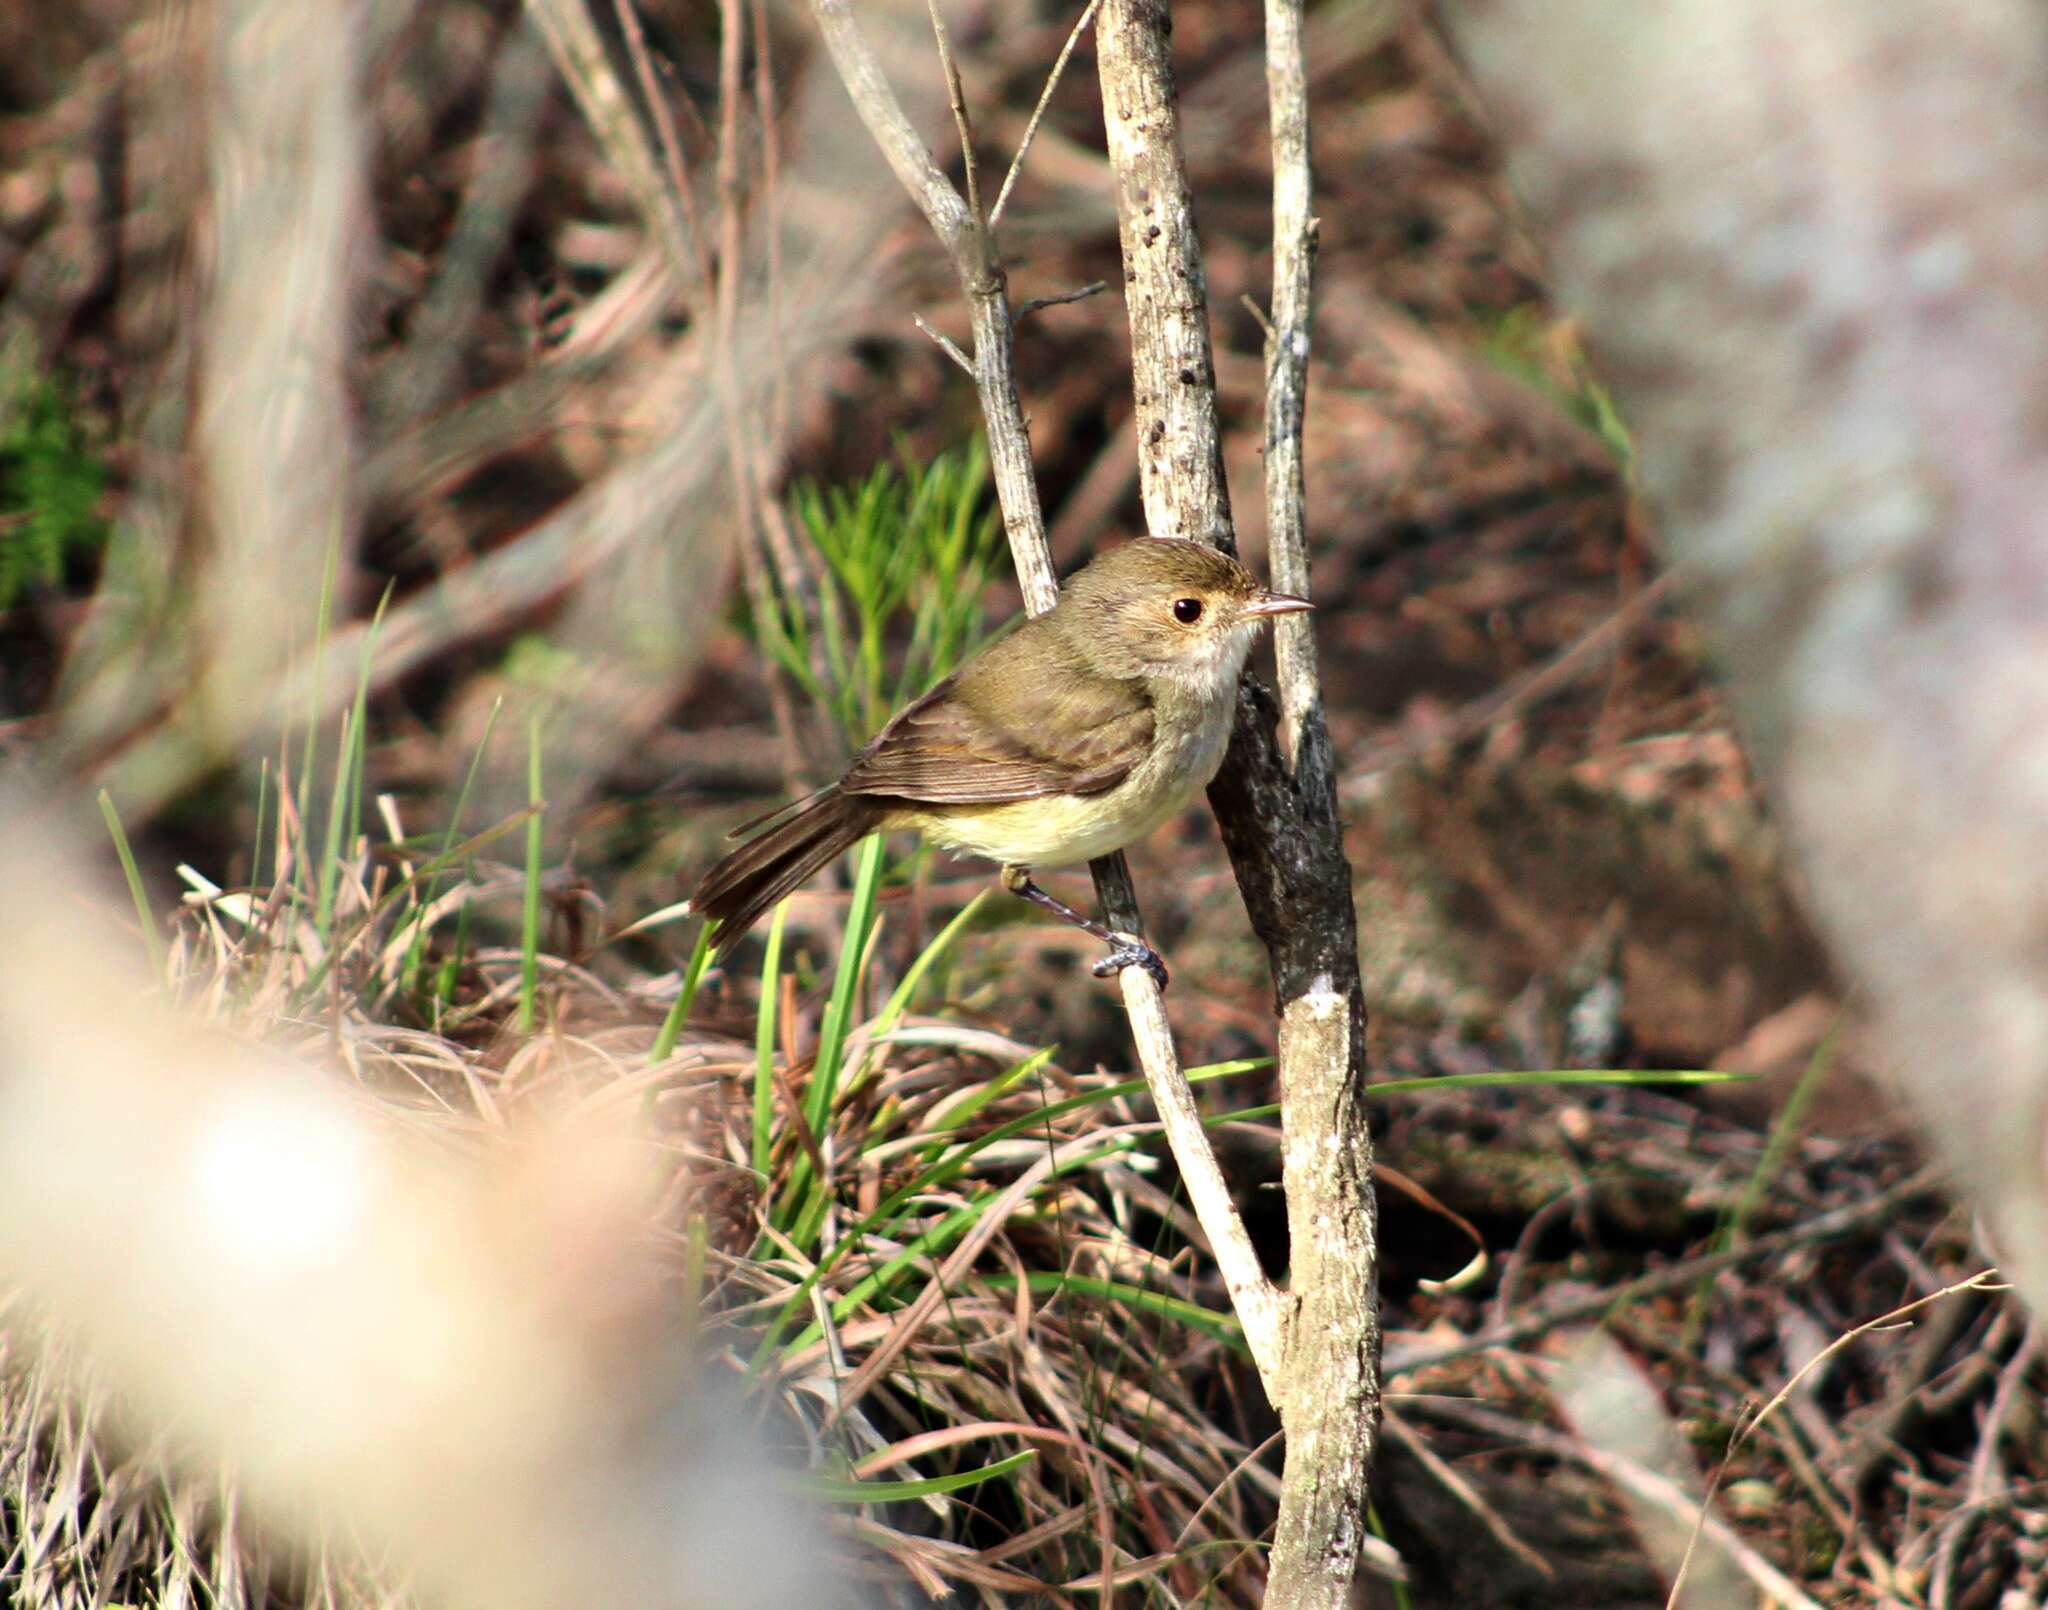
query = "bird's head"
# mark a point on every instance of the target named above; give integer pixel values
(1169, 610)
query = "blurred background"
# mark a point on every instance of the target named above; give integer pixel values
(457, 461)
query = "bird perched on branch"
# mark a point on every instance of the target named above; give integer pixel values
(1078, 733)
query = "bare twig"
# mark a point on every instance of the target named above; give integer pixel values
(968, 243)
(1983, 1280)
(1251, 1293)
(1052, 82)
(768, 112)
(945, 343)
(1092, 288)
(1332, 1405)
(1287, 345)
(956, 97)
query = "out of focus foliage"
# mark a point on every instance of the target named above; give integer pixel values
(51, 481)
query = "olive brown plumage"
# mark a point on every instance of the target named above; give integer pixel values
(1076, 733)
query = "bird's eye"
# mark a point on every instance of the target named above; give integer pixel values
(1187, 610)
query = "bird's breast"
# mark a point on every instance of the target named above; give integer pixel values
(1063, 830)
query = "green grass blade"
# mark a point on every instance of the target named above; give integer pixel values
(907, 1263)
(693, 976)
(447, 858)
(839, 1490)
(956, 1162)
(949, 1168)
(328, 877)
(151, 940)
(1784, 1135)
(262, 804)
(1517, 1079)
(813, 1195)
(361, 707)
(425, 898)
(963, 1107)
(1223, 1326)
(860, 918)
(900, 998)
(330, 570)
(764, 1043)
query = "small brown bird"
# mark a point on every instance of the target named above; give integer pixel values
(1078, 733)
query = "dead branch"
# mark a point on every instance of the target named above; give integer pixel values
(1275, 802)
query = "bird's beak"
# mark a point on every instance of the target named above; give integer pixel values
(1277, 604)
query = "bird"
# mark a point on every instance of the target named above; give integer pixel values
(1080, 731)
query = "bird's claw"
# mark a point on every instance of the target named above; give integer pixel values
(1131, 953)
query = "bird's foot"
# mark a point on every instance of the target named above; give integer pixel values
(1126, 951)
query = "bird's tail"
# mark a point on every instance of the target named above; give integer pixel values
(737, 892)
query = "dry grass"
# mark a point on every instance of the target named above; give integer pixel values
(968, 1260)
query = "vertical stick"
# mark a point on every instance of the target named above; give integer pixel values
(1275, 800)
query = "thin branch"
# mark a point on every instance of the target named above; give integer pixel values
(956, 95)
(1093, 288)
(769, 113)
(1052, 82)
(946, 344)
(682, 198)
(1287, 347)
(1252, 1295)
(879, 109)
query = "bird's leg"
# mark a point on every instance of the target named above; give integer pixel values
(1124, 951)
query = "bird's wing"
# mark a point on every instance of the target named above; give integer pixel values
(1046, 734)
